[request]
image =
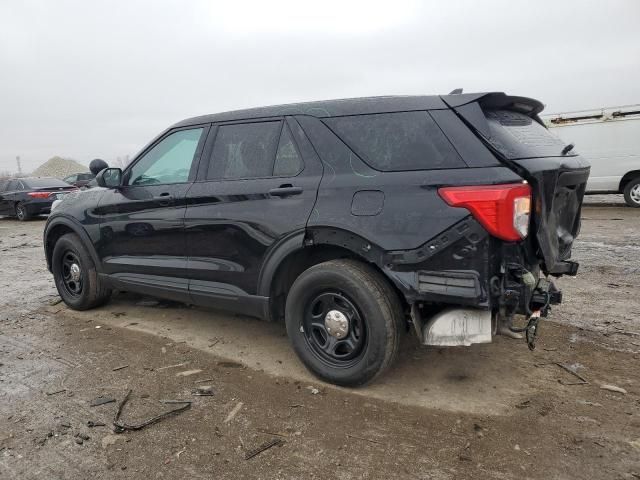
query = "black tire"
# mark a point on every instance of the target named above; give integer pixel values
(632, 193)
(374, 321)
(22, 212)
(82, 291)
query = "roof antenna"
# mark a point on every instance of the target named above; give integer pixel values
(457, 91)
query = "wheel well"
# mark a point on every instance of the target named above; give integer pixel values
(52, 237)
(627, 178)
(296, 263)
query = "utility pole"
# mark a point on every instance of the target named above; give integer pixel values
(19, 165)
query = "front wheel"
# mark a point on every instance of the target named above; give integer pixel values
(632, 193)
(75, 275)
(22, 213)
(344, 321)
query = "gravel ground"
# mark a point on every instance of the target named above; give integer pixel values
(488, 411)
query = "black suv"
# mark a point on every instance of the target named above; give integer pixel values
(352, 220)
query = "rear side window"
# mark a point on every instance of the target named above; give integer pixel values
(397, 141)
(288, 161)
(244, 150)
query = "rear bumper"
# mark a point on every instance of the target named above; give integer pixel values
(466, 267)
(38, 206)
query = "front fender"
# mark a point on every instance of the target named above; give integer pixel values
(67, 224)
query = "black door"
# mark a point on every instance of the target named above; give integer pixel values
(141, 242)
(252, 192)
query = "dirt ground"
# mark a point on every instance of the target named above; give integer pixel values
(495, 411)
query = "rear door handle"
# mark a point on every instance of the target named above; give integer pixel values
(285, 191)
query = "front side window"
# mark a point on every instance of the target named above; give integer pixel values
(244, 150)
(168, 161)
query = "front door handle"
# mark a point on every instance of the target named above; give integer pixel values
(285, 191)
(164, 199)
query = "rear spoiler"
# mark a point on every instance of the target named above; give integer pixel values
(470, 107)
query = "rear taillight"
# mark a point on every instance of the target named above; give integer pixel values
(39, 194)
(504, 210)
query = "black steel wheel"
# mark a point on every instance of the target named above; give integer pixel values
(71, 273)
(75, 274)
(334, 329)
(344, 321)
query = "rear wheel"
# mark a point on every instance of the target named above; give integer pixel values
(632, 193)
(22, 213)
(344, 321)
(75, 274)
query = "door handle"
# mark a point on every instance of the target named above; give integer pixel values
(164, 199)
(285, 191)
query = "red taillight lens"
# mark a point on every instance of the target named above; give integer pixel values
(504, 210)
(39, 194)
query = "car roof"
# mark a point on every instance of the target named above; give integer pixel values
(328, 108)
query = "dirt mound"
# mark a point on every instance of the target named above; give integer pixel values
(59, 167)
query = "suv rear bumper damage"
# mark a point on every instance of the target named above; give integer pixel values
(460, 283)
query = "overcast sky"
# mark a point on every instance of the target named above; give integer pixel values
(85, 79)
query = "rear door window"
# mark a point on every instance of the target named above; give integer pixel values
(288, 161)
(245, 150)
(397, 141)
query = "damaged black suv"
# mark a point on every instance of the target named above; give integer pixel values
(352, 220)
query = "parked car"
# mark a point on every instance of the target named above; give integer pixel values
(79, 179)
(609, 139)
(26, 197)
(351, 220)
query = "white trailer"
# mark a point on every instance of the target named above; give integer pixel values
(609, 138)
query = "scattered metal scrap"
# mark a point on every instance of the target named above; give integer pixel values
(120, 427)
(261, 448)
(92, 424)
(101, 401)
(119, 368)
(583, 381)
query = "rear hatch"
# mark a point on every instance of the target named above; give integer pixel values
(511, 128)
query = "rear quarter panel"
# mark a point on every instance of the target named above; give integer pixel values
(410, 211)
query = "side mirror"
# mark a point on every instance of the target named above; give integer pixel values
(109, 178)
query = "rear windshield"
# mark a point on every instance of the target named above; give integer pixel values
(85, 176)
(44, 183)
(397, 141)
(516, 135)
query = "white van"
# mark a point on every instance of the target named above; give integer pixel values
(609, 139)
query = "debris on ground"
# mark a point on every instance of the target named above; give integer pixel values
(92, 424)
(120, 427)
(313, 390)
(172, 366)
(119, 368)
(188, 373)
(583, 381)
(613, 388)
(261, 448)
(203, 391)
(233, 412)
(56, 392)
(101, 401)
(55, 301)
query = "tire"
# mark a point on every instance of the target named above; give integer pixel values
(22, 212)
(370, 309)
(80, 288)
(632, 193)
